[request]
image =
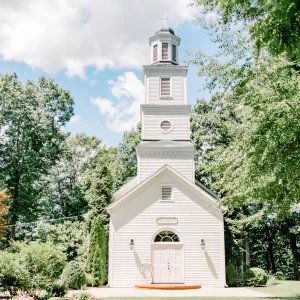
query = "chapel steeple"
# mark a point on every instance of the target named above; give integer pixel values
(164, 45)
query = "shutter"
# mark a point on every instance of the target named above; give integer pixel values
(173, 52)
(155, 53)
(165, 126)
(164, 50)
(166, 193)
(165, 87)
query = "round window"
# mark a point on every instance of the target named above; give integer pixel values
(166, 126)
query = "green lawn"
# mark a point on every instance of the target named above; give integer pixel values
(285, 290)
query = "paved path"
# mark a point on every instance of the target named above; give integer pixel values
(133, 292)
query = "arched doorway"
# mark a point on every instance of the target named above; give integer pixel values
(167, 257)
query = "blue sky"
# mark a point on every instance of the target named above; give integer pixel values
(108, 75)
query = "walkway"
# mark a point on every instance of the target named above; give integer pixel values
(134, 292)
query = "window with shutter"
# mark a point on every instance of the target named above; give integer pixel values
(164, 51)
(173, 52)
(165, 87)
(167, 193)
(155, 52)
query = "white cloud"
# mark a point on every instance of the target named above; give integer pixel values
(123, 113)
(71, 35)
(75, 119)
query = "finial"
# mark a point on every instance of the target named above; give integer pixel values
(164, 18)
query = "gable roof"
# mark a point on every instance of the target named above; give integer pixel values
(208, 197)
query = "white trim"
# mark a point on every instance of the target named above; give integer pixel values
(172, 192)
(110, 254)
(152, 52)
(223, 267)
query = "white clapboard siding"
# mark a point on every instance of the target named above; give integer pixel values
(136, 219)
(152, 117)
(150, 164)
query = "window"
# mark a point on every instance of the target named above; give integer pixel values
(173, 52)
(165, 87)
(166, 236)
(167, 193)
(166, 126)
(164, 51)
(155, 52)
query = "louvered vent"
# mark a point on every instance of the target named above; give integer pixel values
(165, 87)
(166, 193)
(164, 50)
(173, 52)
(155, 53)
(165, 126)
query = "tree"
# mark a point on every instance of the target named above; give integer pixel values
(31, 118)
(127, 153)
(274, 25)
(100, 191)
(3, 210)
(97, 257)
(63, 188)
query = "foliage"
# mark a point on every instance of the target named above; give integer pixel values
(255, 277)
(97, 257)
(3, 210)
(82, 295)
(127, 153)
(274, 25)
(55, 289)
(69, 237)
(43, 262)
(63, 189)
(231, 281)
(100, 192)
(13, 277)
(31, 117)
(73, 275)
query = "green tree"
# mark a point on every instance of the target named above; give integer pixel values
(31, 118)
(63, 188)
(97, 256)
(100, 192)
(273, 25)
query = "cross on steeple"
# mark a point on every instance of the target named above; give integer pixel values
(164, 18)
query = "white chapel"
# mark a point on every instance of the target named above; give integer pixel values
(165, 227)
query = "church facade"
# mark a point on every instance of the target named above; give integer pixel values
(165, 227)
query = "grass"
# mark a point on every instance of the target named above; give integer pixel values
(284, 290)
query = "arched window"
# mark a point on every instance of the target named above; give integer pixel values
(166, 236)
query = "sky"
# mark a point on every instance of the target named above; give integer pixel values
(96, 49)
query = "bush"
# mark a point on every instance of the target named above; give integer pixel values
(255, 277)
(271, 280)
(56, 289)
(73, 275)
(43, 262)
(97, 257)
(230, 274)
(13, 277)
(82, 296)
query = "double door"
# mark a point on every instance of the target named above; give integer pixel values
(167, 263)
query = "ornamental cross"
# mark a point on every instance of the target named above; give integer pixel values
(165, 18)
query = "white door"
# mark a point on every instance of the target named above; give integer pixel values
(167, 263)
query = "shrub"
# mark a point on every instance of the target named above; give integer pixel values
(73, 275)
(255, 277)
(82, 296)
(230, 274)
(89, 279)
(271, 280)
(43, 262)
(97, 257)
(13, 277)
(56, 289)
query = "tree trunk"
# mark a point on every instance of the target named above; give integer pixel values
(270, 237)
(247, 248)
(293, 244)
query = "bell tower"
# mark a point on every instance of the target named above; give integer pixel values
(165, 116)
